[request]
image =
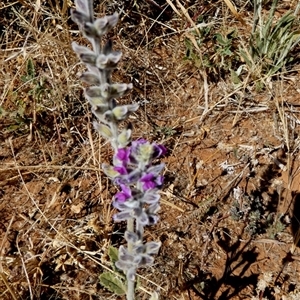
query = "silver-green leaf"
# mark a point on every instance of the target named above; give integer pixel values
(112, 283)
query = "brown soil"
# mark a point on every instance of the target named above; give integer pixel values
(230, 204)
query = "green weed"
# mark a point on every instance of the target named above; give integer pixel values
(275, 225)
(114, 281)
(165, 131)
(36, 85)
(27, 100)
(269, 49)
(271, 42)
(219, 52)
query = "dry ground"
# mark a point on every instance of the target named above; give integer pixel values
(230, 205)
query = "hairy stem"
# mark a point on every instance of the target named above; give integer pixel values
(130, 283)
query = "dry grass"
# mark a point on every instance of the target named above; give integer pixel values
(55, 212)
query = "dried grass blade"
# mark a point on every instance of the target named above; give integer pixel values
(12, 293)
(174, 8)
(186, 14)
(234, 11)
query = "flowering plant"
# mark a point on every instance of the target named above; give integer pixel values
(133, 168)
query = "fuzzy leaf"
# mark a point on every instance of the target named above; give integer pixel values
(113, 254)
(109, 170)
(109, 91)
(140, 216)
(81, 49)
(124, 138)
(79, 18)
(96, 91)
(121, 112)
(113, 19)
(125, 255)
(156, 169)
(152, 247)
(146, 260)
(103, 130)
(151, 196)
(88, 58)
(124, 265)
(139, 249)
(108, 61)
(103, 25)
(131, 237)
(101, 91)
(112, 283)
(119, 89)
(97, 96)
(122, 216)
(90, 78)
(89, 30)
(83, 6)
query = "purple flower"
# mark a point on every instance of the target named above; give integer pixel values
(128, 176)
(159, 150)
(121, 169)
(134, 165)
(125, 194)
(123, 155)
(138, 142)
(150, 181)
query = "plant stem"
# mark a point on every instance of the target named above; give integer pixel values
(130, 289)
(130, 283)
(130, 227)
